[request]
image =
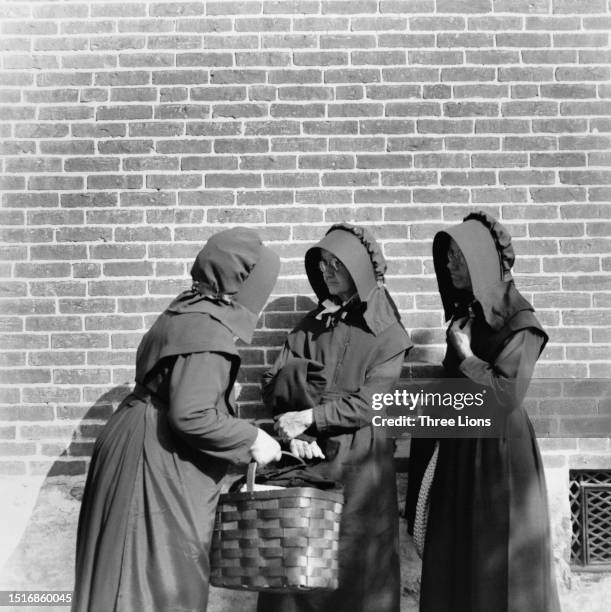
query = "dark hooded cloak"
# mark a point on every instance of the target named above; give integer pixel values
(334, 364)
(488, 544)
(153, 484)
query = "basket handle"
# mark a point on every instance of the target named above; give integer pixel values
(252, 468)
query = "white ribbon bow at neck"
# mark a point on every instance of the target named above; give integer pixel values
(329, 309)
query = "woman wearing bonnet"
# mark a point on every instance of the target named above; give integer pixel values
(320, 389)
(153, 484)
(487, 545)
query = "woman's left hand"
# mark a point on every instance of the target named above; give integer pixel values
(459, 336)
(291, 424)
(306, 450)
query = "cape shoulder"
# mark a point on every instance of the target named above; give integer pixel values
(180, 334)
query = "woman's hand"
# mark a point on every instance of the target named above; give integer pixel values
(459, 336)
(265, 449)
(306, 450)
(292, 424)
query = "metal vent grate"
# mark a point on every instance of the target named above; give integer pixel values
(590, 499)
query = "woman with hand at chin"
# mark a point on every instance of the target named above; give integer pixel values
(320, 389)
(487, 544)
(149, 503)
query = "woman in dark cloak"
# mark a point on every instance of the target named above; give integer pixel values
(149, 502)
(350, 347)
(487, 545)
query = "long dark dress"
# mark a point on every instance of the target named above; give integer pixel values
(488, 537)
(487, 545)
(357, 364)
(148, 508)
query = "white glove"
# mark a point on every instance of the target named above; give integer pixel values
(265, 449)
(306, 450)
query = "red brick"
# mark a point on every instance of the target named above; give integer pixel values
(268, 162)
(14, 289)
(262, 24)
(525, 177)
(417, 143)
(514, 73)
(12, 468)
(492, 56)
(232, 180)
(114, 181)
(29, 376)
(526, 90)
(572, 264)
(18, 147)
(30, 62)
(585, 177)
(441, 160)
(437, 23)
(432, 196)
(598, 229)
(197, 24)
(298, 144)
(12, 183)
(592, 245)
(440, 92)
(53, 323)
(80, 376)
(499, 160)
(355, 179)
(115, 287)
(558, 194)
(587, 283)
(148, 199)
(173, 94)
(27, 306)
(584, 107)
(14, 12)
(240, 215)
(26, 413)
(148, 304)
(467, 178)
(61, 468)
(362, 214)
(243, 41)
(406, 179)
(599, 22)
(381, 196)
(578, 7)
(86, 306)
(56, 358)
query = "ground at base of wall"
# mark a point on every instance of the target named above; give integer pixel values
(42, 554)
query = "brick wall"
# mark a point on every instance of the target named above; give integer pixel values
(133, 130)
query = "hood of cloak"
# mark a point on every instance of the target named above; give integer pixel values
(358, 250)
(233, 276)
(488, 252)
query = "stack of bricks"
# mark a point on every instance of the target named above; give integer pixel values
(132, 131)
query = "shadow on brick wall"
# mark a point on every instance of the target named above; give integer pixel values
(278, 318)
(43, 558)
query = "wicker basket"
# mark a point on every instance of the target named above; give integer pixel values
(284, 540)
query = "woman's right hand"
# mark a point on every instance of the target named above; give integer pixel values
(459, 336)
(265, 449)
(306, 450)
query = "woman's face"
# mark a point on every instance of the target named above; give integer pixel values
(457, 266)
(336, 276)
